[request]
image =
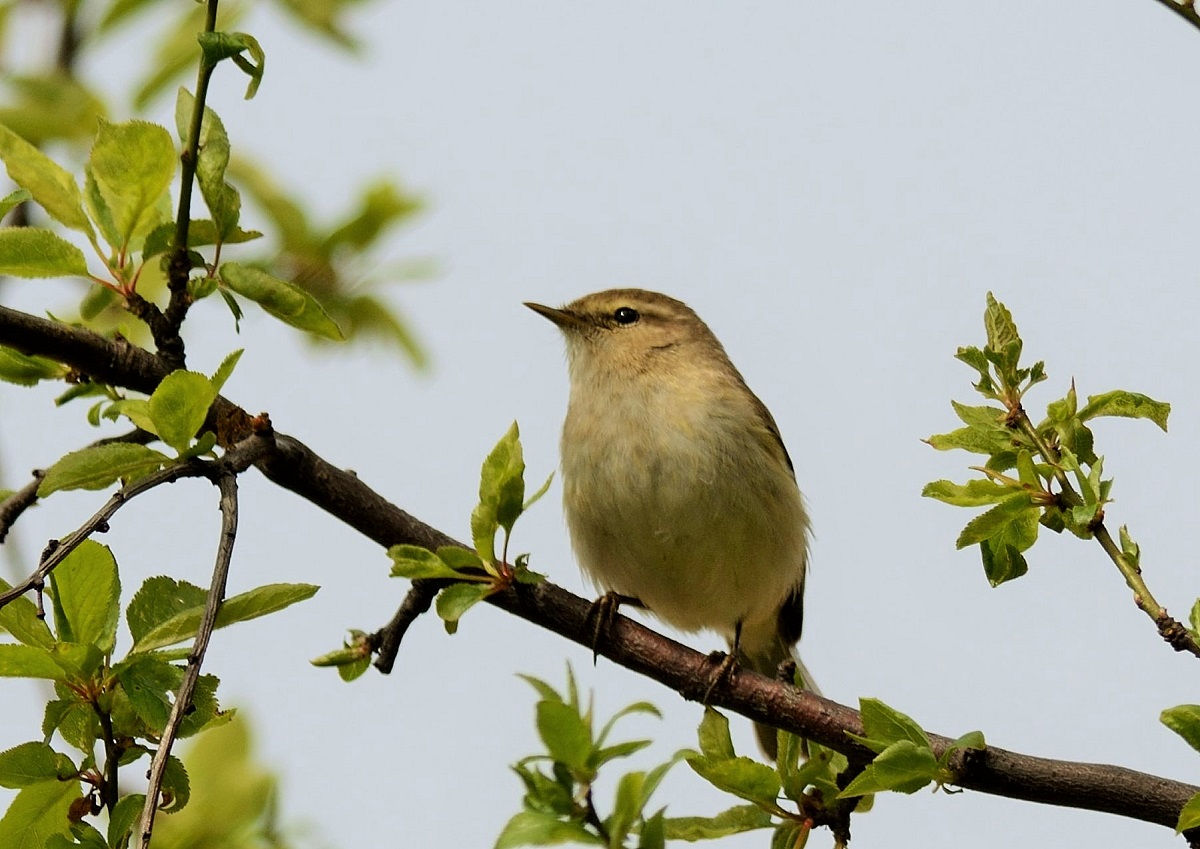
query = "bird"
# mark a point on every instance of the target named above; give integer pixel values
(678, 491)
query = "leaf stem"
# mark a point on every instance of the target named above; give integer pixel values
(1170, 629)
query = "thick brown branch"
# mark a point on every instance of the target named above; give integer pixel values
(292, 465)
(12, 507)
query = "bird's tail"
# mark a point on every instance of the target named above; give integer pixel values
(764, 657)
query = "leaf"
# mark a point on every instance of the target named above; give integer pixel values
(974, 439)
(20, 618)
(286, 301)
(715, 740)
(87, 592)
(502, 479)
(456, 599)
(124, 817)
(38, 813)
(741, 776)
(998, 321)
(29, 662)
(257, 602)
(14, 198)
(1184, 720)
(1001, 562)
(30, 763)
(886, 724)
(132, 164)
(212, 158)
(459, 558)
(176, 787)
(51, 185)
(34, 252)
(628, 710)
(565, 734)
(974, 493)
(179, 407)
(991, 523)
(25, 370)
(149, 683)
(532, 828)
(1189, 816)
(1130, 405)
(137, 410)
(99, 466)
(225, 369)
(904, 767)
(231, 45)
(732, 821)
(158, 600)
(412, 561)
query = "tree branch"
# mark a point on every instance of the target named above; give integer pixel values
(294, 466)
(227, 482)
(1186, 10)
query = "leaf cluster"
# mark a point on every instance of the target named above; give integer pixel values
(558, 804)
(1035, 475)
(107, 712)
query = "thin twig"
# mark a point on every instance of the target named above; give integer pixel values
(1178, 637)
(236, 460)
(58, 550)
(180, 265)
(12, 507)
(1186, 10)
(227, 482)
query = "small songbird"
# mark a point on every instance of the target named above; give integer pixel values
(677, 488)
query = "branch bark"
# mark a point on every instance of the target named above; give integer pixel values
(292, 465)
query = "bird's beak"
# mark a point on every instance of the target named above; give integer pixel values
(564, 319)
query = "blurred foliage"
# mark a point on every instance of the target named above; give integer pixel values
(54, 103)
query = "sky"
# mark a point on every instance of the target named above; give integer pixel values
(834, 188)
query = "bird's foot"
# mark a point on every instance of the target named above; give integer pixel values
(603, 613)
(724, 666)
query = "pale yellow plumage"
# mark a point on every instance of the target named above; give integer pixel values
(676, 485)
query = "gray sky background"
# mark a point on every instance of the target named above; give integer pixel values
(834, 188)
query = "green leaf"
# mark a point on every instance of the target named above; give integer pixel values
(124, 817)
(886, 724)
(212, 159)
(225, 369)
(30, 763)
(904, 767)
(137, 410)
(86, 592)
(483, 531)
(1189, 816)
(257, 602)
(536, 497)
(29, 662)
(456, 599)
(994, 521)
(502, 481)
(1130, 405)
(286, 301)
(179, 407)
(20, 618)
(176, 787)
(37, 814)
(988, 418)
(742, 776)
(732, 821)
(412, 561)
(34, 252)
(132, 164)
(974, 439)
(1184, 720)
(565, 733)
(13, 199)
(462, 559)
(628, 710)
(99, 466)
(998, 321)
(652, 834)
(1001, 562)
(715, 740)
(974, 493)
(150, 683)
(51, 185)
(531, 828)
(25, 370)
(231, 45)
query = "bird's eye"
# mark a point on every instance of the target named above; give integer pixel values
(626, 315)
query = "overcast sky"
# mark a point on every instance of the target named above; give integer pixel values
(834, 188)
